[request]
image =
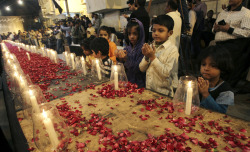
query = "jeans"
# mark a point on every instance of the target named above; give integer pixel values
(69, 40)
(59, 46)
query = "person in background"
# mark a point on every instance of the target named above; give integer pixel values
(192, 16)
(215, 63)
(78, 33)
(97, 22)
(207, 35)
(100, 49)
(59, 41)
(142, 15)
(232, 31)
(90, 30)
(105, 32)
(132, 55)
(85, 45)
(39, 39)
(171, 10)
(67, 29)
(132, 7)
(87, 21)
(160, 62)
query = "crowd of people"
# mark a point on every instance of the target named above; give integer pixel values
(153, 50)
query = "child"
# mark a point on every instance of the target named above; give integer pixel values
(161, 61)
(85, 45)
(105, 32)
(132, 55)
(100, 49)
(90, 30)
(215, 64)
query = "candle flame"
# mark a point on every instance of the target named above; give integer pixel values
(15, 74)
(115, 67)
(45, 114)
(190, 84)
(82, 58)
(96, 61)
(31, 92)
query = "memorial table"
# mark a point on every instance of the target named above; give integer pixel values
(127, 116)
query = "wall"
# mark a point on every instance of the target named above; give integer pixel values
(112, 19)
(11, 24)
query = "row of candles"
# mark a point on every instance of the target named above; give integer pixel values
(31, 94)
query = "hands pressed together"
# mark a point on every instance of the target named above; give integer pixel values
(148, 52)
(203, 86)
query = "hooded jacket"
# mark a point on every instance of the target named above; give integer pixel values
(134, 57)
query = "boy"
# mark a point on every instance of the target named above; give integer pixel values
(100, 49)
(161, 61)
(105, 32)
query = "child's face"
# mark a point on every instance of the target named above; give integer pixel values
(209, 70)
(160, 33)
(89, 24)
(104, 34)
(133, 35)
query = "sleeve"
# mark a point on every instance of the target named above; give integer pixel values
(192, 18)
(65, 28)
(134, 61)
(164, 67)
(244, 30)
(210, 103)
(144, 65)
(112, 56)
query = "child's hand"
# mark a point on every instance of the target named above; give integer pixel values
(203, 86)
(148, 51)
(122, 54)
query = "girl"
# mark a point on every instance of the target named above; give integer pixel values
(132, 55)
(85, 45)
(215, 64)
(105, 32)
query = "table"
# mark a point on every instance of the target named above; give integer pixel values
(127, 116)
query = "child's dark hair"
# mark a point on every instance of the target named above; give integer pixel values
(131, 24)
(164, 20)
(86, 43)
(105, 28)
(100, 44)
(220, 56)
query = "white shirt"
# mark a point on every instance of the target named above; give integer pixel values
(162, 73)
(192, 20)
(239, 20)
(175, 37)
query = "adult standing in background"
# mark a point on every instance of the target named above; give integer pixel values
(142, 15)
(232, 31)
(67, 29)
(171, 10)
(192, 16)
(97, 22)
(131, 7)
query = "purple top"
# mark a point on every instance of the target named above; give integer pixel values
(134, 57)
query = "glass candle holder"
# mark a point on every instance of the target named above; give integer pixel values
(118, 77)
(186, 98)
(32, 97)
(83, 65)
(72, 61)
(97, 69)
(49, 130)
(66, 57)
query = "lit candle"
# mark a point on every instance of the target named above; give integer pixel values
(34, 102)
(22, 83)
(28, 55)
(116, 77)
(189, 99)
(83, 66)
(19, 49)
(50, 130)
(73, 61)
(66, 58)
(98, 70)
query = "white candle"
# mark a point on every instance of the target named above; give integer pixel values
(19, 49)
(34, 102)
(116, 77)
(73, 61)
(28, 55)
(98, 70)
(83, 66)
(50, 130)
(21, 83)
(189, 99)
